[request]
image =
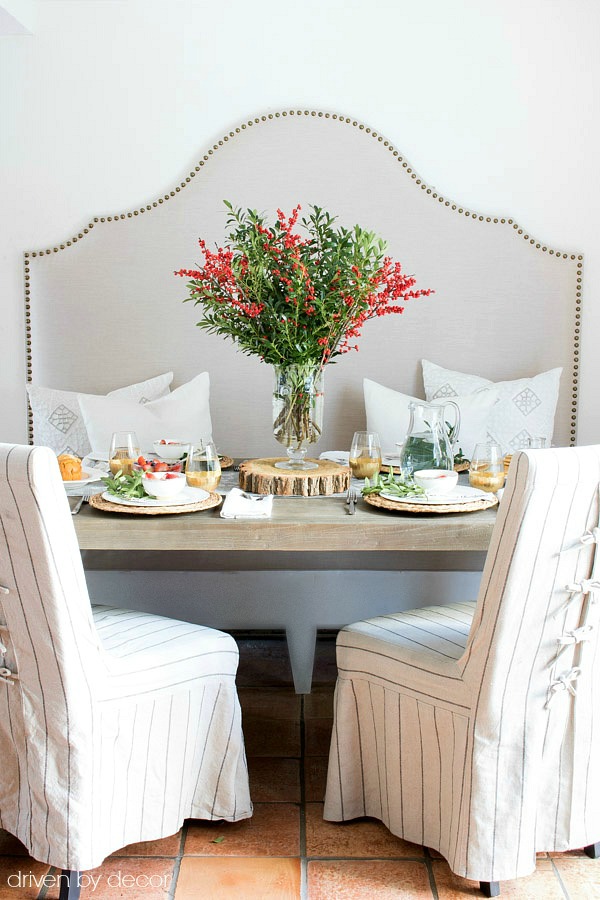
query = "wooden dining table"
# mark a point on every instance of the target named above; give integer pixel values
(298, 524)
(315, 533)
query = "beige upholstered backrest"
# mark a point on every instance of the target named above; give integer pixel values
(505, 305)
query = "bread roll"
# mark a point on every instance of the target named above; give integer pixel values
(70, 467)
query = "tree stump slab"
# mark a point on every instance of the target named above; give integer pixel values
(259, 476)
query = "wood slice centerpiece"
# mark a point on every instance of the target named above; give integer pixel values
(259, 476)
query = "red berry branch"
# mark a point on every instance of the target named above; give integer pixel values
(296, 298)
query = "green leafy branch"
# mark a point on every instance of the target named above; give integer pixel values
(128, 486)
(389, 484)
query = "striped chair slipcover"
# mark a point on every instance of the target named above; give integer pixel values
(474, 728)
(115, 725)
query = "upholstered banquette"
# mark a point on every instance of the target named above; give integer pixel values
(506, 304)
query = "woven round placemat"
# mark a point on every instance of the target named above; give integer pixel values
(226, 462)
(458, 467)
(98, 502)
(384, 503)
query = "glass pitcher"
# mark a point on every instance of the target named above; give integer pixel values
(427, 444)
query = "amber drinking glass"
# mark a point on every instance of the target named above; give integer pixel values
(365, 454)
(486, 471)
(203, 468)
(123, 453)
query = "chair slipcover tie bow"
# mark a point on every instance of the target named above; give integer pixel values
(5, 673)
(7, 676)
(574, 636)
(591, 537)
(565, 683)
(585, 586)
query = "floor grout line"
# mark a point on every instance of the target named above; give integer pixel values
(302, 772)
(178, 860)
(557, 875)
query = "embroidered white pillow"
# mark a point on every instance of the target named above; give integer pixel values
(57, 420)
(388, 414)
(525, 408)
(183, 415)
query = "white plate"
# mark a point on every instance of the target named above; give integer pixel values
(185, 498)
(459, 494)
(91, 475)
(338, 456)
(96, 457)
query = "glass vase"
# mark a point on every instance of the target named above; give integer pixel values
(298, 412)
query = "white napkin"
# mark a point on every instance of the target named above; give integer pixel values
(338, 456)
(239, 505)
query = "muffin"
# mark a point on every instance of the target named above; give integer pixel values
(70, 467)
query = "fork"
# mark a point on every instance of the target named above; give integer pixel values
(351, 499)
(86, 494)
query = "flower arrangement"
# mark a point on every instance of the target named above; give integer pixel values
(297, 301)
(291, 298)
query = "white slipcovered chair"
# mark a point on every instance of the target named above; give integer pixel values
(474, 728)
(115, 725)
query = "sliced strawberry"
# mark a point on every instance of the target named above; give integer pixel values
(171, 475)
(161, 467)
(141, 460)
(150, 475)
(176, 468)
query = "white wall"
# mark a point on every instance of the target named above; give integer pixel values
(109, 103)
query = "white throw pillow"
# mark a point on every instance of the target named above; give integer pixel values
(388, 414)
(57, 420)
(525, 408)
(183, 415)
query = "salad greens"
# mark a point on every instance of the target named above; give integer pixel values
(391, 485)
(121, 485)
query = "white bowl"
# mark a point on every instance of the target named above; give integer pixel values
(170, 449)
(163, 485)
(436, 481)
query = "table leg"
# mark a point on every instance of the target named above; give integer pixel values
(301, 640)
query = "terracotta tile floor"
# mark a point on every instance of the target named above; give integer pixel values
(286, 851)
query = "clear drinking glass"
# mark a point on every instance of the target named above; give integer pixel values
(528, 443)
(124, 452)
(535, 443)
(203, 468)
(365, 454)
(405, 463)
(486, 471)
